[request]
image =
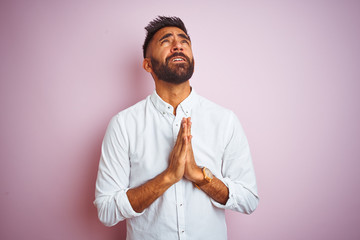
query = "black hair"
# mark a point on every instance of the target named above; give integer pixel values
(159, 23)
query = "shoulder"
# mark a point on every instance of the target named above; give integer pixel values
(130, 115)
(216, 114)
(212, 108)
(134, 110)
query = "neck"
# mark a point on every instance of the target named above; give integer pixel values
(171, 93)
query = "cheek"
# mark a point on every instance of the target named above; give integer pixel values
(158, 57)
(162, 53)
(189, 52)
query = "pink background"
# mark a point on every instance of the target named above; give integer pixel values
(290, 70)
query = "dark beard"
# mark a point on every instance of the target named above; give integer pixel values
(182, 73)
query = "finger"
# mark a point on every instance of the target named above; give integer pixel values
(189, 142)
(184, 148)
(190, 145)
(185, 126)
(189, 126)
(180, 139)
(181, 151)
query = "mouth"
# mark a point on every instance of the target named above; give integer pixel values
(178, 59)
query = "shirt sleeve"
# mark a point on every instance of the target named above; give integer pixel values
(238, 171)
(113, 176)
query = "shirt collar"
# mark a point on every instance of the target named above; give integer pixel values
(186, 105)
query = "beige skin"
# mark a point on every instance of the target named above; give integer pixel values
(182, 163)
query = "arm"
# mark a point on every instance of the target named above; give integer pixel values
(237, 171)
(113, 198)
(236, 190)
(143, 196)
(216, 189)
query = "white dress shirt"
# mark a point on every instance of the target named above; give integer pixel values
(136, 148)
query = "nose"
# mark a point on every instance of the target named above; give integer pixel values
(177, 46)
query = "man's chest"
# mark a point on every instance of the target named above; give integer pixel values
(151, 147)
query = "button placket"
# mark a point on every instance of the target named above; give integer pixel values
(177, 124)
(180, 209)
(179, 185)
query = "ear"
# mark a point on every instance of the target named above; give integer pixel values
(147, 65)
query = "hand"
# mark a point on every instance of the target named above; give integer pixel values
(192, 171)
(176, 168)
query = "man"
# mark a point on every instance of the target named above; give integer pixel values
(172, 163)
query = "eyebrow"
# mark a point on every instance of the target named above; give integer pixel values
(184, 36)
(170, 34)
(165, 36)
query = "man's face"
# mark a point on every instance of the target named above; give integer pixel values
(171, 55)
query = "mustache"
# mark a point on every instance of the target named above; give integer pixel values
(178, 54)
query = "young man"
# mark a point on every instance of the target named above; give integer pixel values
(172, 163)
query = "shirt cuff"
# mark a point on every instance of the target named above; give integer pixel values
(124, 205)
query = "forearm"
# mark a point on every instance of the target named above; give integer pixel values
(216, 189)
(143, 196)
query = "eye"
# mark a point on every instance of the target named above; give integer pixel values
(164, 41)
(185, 41)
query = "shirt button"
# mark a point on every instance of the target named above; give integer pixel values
(163, 112)
(180, 204)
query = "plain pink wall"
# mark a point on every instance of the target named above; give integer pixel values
(289, 69)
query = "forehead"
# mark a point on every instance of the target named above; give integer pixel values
(166, 30)
(154, 43)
